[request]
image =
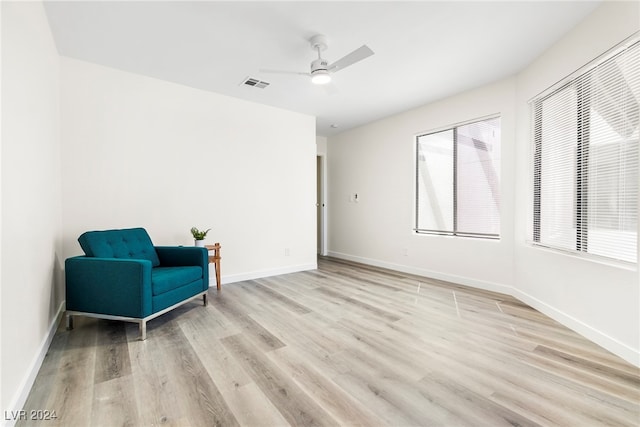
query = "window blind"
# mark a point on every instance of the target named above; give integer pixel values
(586, 137)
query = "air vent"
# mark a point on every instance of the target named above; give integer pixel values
(255, 83)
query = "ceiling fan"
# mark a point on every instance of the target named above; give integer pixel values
(321, 70)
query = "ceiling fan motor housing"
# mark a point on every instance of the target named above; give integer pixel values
(319, 64)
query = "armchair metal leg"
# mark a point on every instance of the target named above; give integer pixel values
(69, 322)
(204, 299)
(143, 330)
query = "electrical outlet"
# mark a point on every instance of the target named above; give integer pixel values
(286, 251)
(405, 252)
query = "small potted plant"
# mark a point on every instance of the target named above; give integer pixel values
(199, 236)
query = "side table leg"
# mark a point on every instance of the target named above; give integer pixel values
(217, 263)
(218, 273)
(215, 259)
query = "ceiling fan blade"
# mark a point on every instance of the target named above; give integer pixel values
(357, 55)
(266, 70)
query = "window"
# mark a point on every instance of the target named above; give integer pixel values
(586, 131)
(458, 180)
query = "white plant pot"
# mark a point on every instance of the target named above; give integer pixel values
(200, 243)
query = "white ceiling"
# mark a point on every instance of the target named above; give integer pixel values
(424, 50)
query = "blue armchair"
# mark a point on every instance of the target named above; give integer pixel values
(122, 276)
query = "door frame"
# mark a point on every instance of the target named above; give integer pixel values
(321, 198)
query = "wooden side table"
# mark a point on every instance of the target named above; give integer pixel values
(215, 259)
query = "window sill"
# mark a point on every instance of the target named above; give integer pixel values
(461, 235)
(609, 262)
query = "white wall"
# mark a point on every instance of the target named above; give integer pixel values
(377, 161)
(138, 151)
(600, 301)
(32, 289)
(321, 145)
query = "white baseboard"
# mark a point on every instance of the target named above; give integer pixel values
(603, 340)
(616, 347)
(461, 280)
(261, 273)
(19, 400)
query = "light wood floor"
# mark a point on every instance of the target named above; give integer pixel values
(344, 345)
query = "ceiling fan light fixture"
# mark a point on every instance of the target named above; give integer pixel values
(320, 77)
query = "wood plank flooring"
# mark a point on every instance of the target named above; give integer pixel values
(347, 344)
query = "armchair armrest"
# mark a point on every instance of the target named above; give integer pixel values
(180, 256)
(113, 286)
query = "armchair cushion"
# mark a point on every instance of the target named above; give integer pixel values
(164, 279)
(132, 243)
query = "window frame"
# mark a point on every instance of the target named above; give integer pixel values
(455, 232)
